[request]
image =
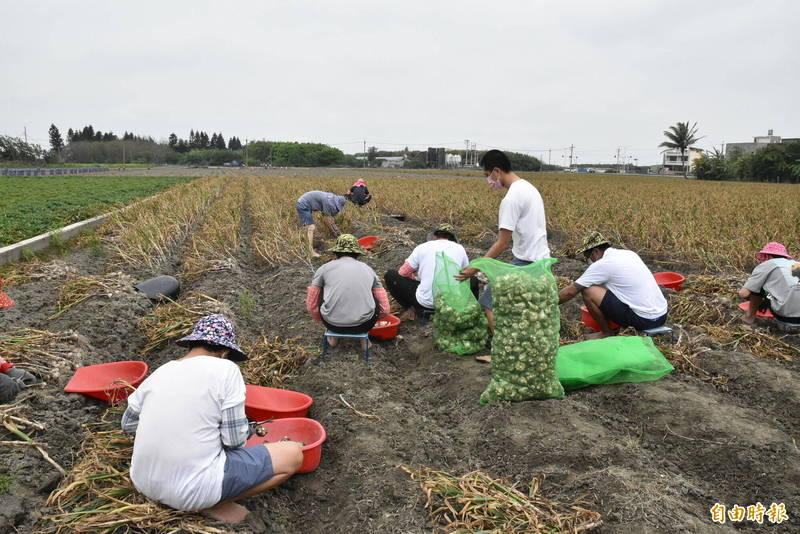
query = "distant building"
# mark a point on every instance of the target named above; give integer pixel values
(453, 160)
(392, 162)
(674, 163)
(759, 142)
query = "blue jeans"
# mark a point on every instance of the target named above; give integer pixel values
(486, 297)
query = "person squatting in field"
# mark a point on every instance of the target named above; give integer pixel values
(617, 286)
(13, 380)
(330, 205)
(521, 223)
(773, 285)
(345, 294)
(415, 293)
(191, 428)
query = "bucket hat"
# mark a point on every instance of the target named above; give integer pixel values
(444, 227)
(591, 240)
(773, 248)
(347, 243)
(5, 300)
(215, 329)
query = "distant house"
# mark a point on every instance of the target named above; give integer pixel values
(393, 162)
(674, 163)
(453, 160)
(759, 142)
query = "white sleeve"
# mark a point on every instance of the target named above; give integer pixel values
(234, 390)
(595, 275)
(463, 258)
(509, 214)
(413, 259)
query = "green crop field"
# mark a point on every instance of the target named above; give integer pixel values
(32, 205)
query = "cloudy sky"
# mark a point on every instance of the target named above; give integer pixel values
(520, 75)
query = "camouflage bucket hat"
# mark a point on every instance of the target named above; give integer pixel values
(347, 243)
(592, 239)
(444, 227)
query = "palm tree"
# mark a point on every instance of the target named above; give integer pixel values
(681, 136)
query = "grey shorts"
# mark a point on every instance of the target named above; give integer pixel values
(245, 468)
(305, 214)
(485, 299)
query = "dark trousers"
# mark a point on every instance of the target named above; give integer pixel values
(404, 290)
(358, 329)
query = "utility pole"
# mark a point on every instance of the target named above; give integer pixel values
(365, 153)
(618, 149)
(245, 151)
(571, 148)
(549, 155)
(25, 131)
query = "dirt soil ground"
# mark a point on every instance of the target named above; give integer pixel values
(650, 457)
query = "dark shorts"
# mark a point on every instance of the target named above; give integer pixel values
(245, 468)
(305, 214)
(356, 329)
(619, 312)
(485, 299)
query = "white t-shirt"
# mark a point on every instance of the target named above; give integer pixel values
(522, 212)
(624, 273)
(178, 457)
(423, 260)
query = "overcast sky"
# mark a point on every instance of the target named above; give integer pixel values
(523, 75)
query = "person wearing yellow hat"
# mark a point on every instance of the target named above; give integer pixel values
(617, 286)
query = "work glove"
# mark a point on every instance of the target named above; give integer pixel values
(21, 376)
(9, 388)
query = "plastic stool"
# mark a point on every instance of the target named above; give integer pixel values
(659, 330)
(426, 314)
(326, 346)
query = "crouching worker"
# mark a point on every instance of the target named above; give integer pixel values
(773, 285)
(617, 286)
(190, 426)
(416, 296)
(346, 294)
(13, 380)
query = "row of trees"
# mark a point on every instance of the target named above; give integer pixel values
(773, 163)
(201, 141)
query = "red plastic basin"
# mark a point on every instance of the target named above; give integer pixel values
(388, 331)
(767, 314)
(589, 321)
(368, 241)
(262, 403)
(669, 279)
(106, 381)
(301, 429)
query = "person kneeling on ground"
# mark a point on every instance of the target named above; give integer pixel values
(13, 380)
(773, 285)
(330, 205)
(346, 294)
(416, 295)
(190, 426)
(617, 286)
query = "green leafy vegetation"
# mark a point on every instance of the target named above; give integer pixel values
(31, 206)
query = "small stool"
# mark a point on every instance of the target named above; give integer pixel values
(326, 346)
(426, 313)
(659, 330)
(790, 328)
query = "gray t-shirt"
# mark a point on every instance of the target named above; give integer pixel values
(328, 203)
(775, 277)
(347, 286)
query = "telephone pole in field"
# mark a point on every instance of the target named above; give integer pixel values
(571, 149)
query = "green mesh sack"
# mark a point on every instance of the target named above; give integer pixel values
(610, 360)
(459, 324)
(527, 324)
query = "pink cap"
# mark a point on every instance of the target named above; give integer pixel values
(773, 248)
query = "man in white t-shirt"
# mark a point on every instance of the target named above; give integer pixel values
(617, 286)
(521, 223)
(416, 295)
(190, 426)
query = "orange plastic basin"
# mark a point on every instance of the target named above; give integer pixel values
(589, 321)
(388, 331)
(368, 241)
(300, 429)
(107, 381)
(669, 279)
(767, 314)
(262, 403)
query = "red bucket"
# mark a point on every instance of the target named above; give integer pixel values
(368, 241)
(263, 403)
(767, 314)
(589, 321)
(669, 279)
(388, 331)
(300, 429)
(105, 381)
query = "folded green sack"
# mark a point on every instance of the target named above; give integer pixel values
(610, 360)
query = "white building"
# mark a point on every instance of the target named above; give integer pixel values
(674, 163)
(759, 142)
(452, 160)
(393, 162)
